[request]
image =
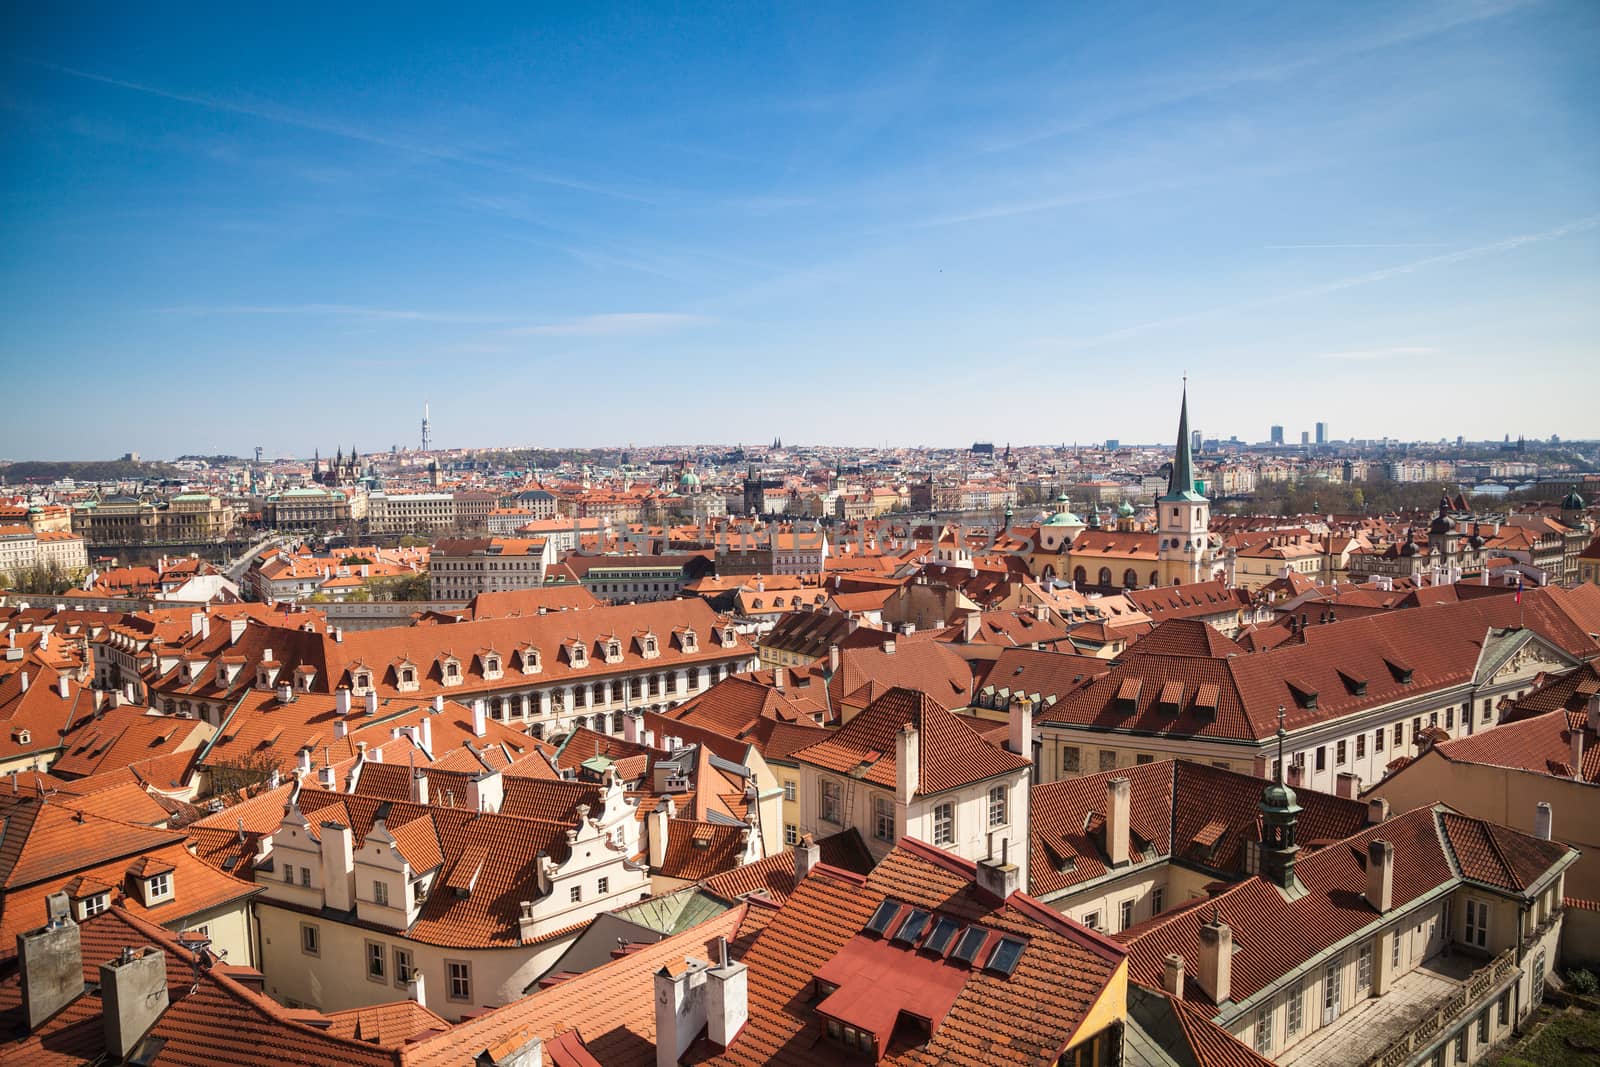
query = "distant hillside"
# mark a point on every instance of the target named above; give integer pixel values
(94, 470)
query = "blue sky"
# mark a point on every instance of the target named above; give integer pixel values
(922, 224)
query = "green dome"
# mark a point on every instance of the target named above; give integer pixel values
(1278, 797)
(1572, 501)
(689, 480)
(1125, 510)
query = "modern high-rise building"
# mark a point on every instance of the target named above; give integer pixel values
(1305, 437)
(1322, 433)
(1277, 435)
(1195, 442)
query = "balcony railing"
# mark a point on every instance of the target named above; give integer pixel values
(1458, 1005)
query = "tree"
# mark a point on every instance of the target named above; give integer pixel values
(237, 775)
(45, 579)
(400, 587)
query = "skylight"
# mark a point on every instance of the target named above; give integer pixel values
(944, 931)
(1005, 956)
(971, 941)
(912, 928)
(879, 923)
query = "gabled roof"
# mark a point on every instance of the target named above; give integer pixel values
(951, 752)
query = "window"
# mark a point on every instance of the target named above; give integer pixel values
(1142, 758)
(788, 792)
(1157, 898)
(1486, 712)
(1071, 759)
(1092, 920)
(1394, 951)
(1461, 1046)
(1399, 734)
(288, 873)
(1503, 1012)
(997, 806)
(575, 894)
(1294, 1010)
(830, 801)
(310, 940)
(1377, 740)
(882, 819)
(1322, 757)
(1361, 746)
(1364, 967)
(1449, 718)
(1125, 910)
(1264, 1029)
(305, 877)
(380, 893)
(96, 904)
(603, 886)
(944, 824)
(459, 973)
(1477, 932)
(791, 834)
(376, 958)
(1483, 1027)
(1108, 760)
(402, 966)
(1538, 979)
(1339, 753)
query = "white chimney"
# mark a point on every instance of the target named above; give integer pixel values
(302, 764)
(480, 725)
(419, 787)
(427, 736)
(807, 854)
(416, 989)
(1118, 816)
(338, 866)
(341, 728)
(833, 659)
(133, 995)
(1021, 741)
(659, 826)
(1172, 974)
(372, 701)
(1575, 759)
(727, 997)
(907, 763)
(680, 1010)
(1543, 821)
(1216, 959)
(1380, 875)
(779, 676)
(1377, 811)
(438, 703)
(24, 682)
(341, 700)
(64, 687)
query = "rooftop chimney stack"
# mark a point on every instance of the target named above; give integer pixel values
(680, 1010)
(338, 866)
(1543, 820)
(833, 659)
(63, 687)
(50, 960)
(1377, 811)
(727, 997)
(1347, 784)
(907, 763)
(341, 700)
(1216, 959)
(372, 702)
(1575, 759)
(1593, 718)
(1172, 974)
(807, 854)
(1021, 738)
(480, 725)
(438, 703)
(1380, 875)
(1118, 815)
(133, 994)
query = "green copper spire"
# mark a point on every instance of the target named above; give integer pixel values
(1181, 484)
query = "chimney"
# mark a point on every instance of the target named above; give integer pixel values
(133, 995)
(427, 736)
(416, 989)
(302, 764)
(1576, 757)
(888, 645)
(1542, 821)
(779, 676)
(1377, 811)
(285, 692)
(526, 923)
(1172, 975)
(1347, 784)
(1216, 959)
(24, 681)
(338, 866)
(64, 687)
(325, 776)
(197, 624)
(341, 700)
(1380, 875)
(266, 655)
(1021, 740)
(1294, 775)
(807, 854)
(51, 962)
(907, 763)
(372, 702)
(480, 725)
(727, 997)
(340, 728)
(631, 721)
(680, 1009)
(1000, 877)
(338, 635)
(833, 659)
(660, 822)
(1118, 815)
(1593, 721)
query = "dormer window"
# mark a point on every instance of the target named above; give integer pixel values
(93, 904)
(530, 661)
(408, 675)
(613, 651)
(452, 672)
(24, 737)
(649, 646)
(491, 667)
(728, 638)
(688, 641)
(364, 680)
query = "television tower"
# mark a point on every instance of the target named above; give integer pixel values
(427, 427)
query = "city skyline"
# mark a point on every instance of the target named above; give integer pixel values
(1384, 211)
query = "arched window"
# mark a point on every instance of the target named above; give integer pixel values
(1105, 575)
(1080, 576)
(1130, 578)
(1155, 578)
(1177, 581)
